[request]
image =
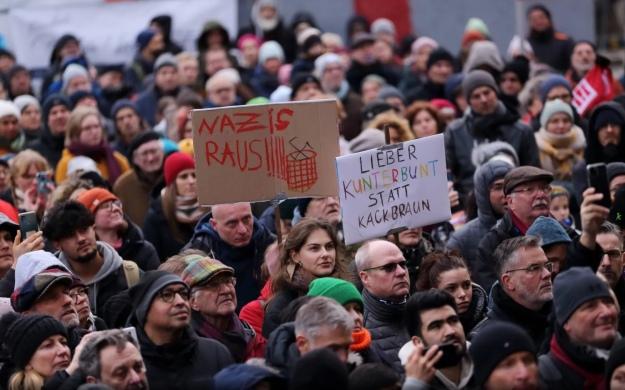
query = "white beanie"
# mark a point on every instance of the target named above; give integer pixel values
(268, 50)
(421, 42)
(324, 60)
(82, 164)
(553, 107)
(73, 70)
(382, 25)
(8, 108)
(24, 101)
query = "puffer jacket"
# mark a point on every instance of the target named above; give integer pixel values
(503, 125)
(281, 352)
(468, 237)
(385, 322)
(136, 248)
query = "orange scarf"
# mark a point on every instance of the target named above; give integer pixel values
(361, 340)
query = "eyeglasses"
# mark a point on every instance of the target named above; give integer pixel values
(534, 268)
(169, 295)
(78, 292)
(389, 268)
(533, 190)
(216, 284)
(111, 204)
(613, 254)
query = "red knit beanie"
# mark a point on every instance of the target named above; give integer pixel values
(176, 163)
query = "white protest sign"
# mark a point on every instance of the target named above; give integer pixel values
(107, 30)
(393, 187)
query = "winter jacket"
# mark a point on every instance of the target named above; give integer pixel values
(147, 103)
(156, 230)
(426, 91)
(264, 83)
(281, 352)
(274, 308)
(594, 151)
(357, 73)
(552, 48)
(136, 248)
(385, 322)
(49, 146)
(351, 125)
(577, 255)
(570, 366)
(60, 173)
(110, 279)
(246, 260)
(503, 308)
(240, 339)
(560, 152)
(135, 193)
(463, 135)
(136, 72)
(466, 239)
(188, 363)
(254, 312)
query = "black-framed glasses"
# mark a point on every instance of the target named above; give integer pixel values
(613, 254)
(168, 295)
(535, 268)
(75, 293)
(390, 267)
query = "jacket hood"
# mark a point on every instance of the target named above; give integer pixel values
(499, 150)
(112, 261)
(281, 352)
(594, 150)
(484, 176)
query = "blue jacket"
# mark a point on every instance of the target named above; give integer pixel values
(246, 260)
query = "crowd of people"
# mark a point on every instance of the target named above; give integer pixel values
(130, 283)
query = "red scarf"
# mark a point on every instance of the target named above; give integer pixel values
(591, 380)
(518, 223)
(361, 340)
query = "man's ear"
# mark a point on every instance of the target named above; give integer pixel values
(91, 379)
(364, 277)
(193, 303)
(506, 282)
(416, 340)
(212, 223)
(302, 344)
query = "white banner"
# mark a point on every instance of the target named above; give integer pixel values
(393, 187)
(108, 31)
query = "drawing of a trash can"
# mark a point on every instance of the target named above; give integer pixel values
(301, 167)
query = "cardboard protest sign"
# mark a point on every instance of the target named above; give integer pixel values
(393, 187)
(256, 152)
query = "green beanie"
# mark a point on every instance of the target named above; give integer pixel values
(341, 291)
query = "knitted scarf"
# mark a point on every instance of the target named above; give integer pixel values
(560, 152)
(188, 209)
(579, 360)
(361, 340)
(97, 153)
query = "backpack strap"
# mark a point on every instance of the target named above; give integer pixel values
(131, 272)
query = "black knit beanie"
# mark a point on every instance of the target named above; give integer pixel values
(574, 287)
(143, 293)
(23, 334)
(496, 341)
(439, 54)
(141, 139)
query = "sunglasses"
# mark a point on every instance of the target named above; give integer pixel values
(390, 267)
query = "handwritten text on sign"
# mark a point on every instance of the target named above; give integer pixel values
(252, 153)
(384, 189)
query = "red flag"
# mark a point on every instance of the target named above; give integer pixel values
(594, 88)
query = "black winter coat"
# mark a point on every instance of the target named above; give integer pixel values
(156, 230)
(385, 322)
(137, 249)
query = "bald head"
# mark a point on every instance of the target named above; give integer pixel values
(234, 223)
(382, 270)
(221, 89)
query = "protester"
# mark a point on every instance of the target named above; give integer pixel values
(553, 240)
(173, 215)
(11, 139)
(549, 46)
(449, 272)
(586, 327)
(231, 234)
(166, 83)
(174, 357)
(424, 119)
(30, 117)
(111, 226)
(213, 303)
(128, 125)
(382, 271)
(55, 116)
(310, 251)
(26, 194)
(610, 239)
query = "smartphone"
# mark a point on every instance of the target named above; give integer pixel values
(450, 356)
(598, 179)
(28, 223)
(43, 181)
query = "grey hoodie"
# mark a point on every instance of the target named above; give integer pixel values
(466, 239)
(107, 279)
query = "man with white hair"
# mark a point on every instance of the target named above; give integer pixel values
(221, 89)
(11, 140)
(330, 70)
